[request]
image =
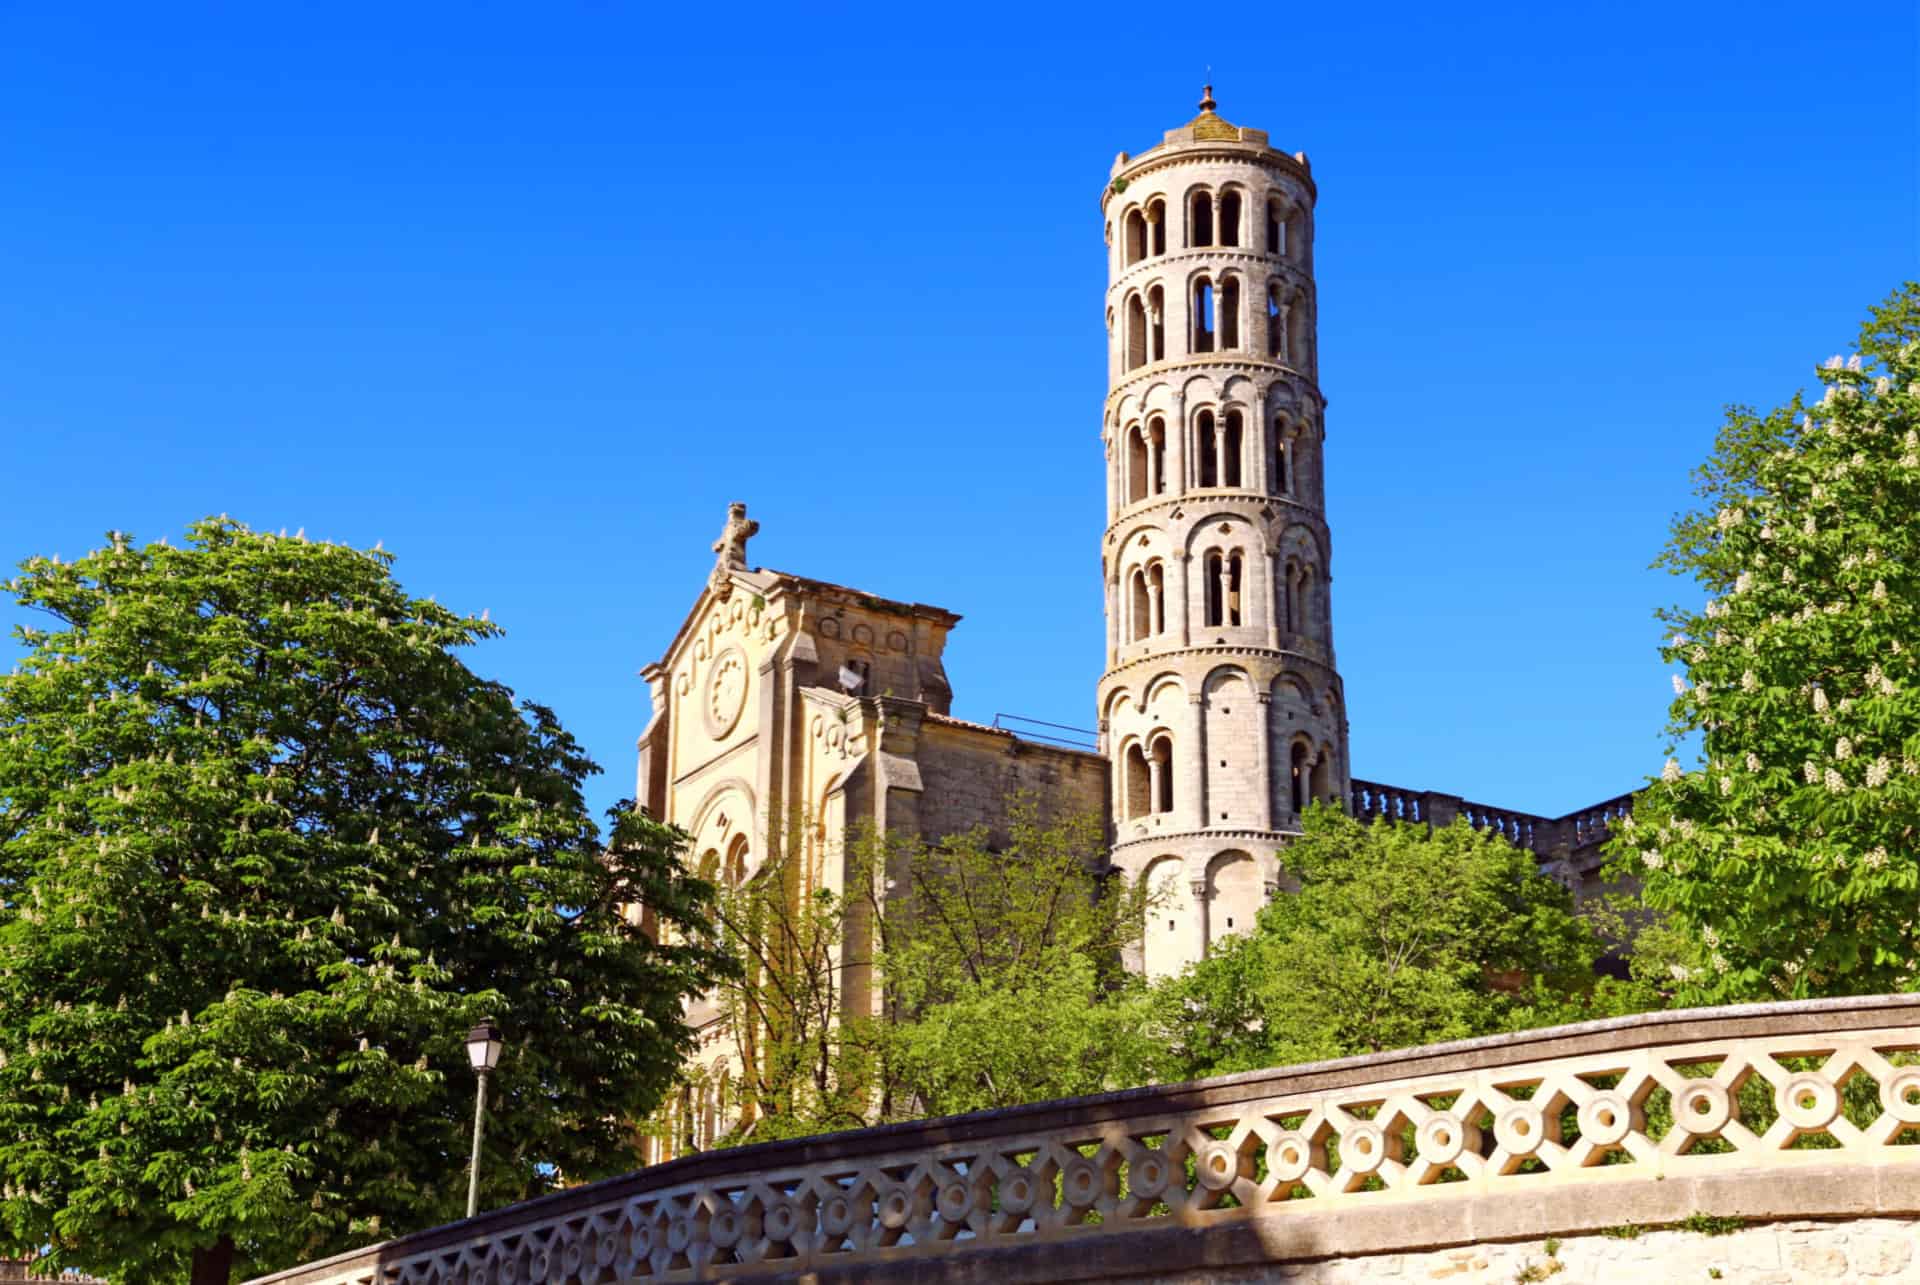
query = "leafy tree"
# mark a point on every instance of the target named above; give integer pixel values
(943, 976)
(1790, 850)
(267, 849)
(1398, 935)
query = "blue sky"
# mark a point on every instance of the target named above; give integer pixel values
(531, 292)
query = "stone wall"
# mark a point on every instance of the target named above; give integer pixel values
(1787, 1253)
(1449, 1162)
(970, 774)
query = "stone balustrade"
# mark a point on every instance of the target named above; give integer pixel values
(1770, 1111)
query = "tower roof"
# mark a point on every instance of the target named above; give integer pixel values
(1208, 126)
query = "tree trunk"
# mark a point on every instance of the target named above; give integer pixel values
(213, 1266)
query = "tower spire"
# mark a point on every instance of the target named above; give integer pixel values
(1206, 99)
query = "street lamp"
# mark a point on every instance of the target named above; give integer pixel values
(483, 1050)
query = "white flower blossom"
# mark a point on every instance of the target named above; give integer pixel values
(1853, 362)
(1882, 386)
(1809, 773)
(1749, 681)
(1879, 591)
(1726, 785)
(1679, 972)
(1720, 964)
(1876, 859)
(1679, 685)
(1878, 772)
(1910, 460)
(1807, 527)
(1753, 761)
(1835, 783)
(1843, 749)
(1653, 859)
(1743, 582)
(1833, 362)
(1697, 655)
(1670, 771)
(1709, 936)
(1819, 700)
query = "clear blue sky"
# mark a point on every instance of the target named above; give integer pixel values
(530, 292)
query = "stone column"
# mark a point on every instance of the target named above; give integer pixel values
(1198, 887)
(1156, 771)
(1183, 604)
(1262, 743)
(1276, 596)
(1195, 782)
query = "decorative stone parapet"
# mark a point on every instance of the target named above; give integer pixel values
(1760, 1112)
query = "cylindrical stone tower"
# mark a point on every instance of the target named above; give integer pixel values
(1220, 708)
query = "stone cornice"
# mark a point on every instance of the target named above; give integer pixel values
(1129, 516)
(1160, 658)
(1163, 156)
(1245, 363)
(1130, 274)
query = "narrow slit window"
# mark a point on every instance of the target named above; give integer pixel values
(1230, 449)
(1209, 450)
(1203, 315)
(1229, 218)
(1136, 333)
(1229, 314)
(1216, 591)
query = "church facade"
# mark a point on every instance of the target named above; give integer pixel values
(787, 710)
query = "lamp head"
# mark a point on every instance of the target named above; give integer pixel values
(484, 1043)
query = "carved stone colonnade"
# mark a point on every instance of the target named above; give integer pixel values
(1641, 1121)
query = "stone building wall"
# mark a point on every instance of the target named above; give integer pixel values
(972, 774)
(1868, 1251)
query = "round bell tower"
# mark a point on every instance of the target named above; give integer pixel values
(1220, 708)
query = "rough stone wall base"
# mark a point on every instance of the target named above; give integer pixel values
(1791, 1253)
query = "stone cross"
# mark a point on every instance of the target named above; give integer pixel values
(731, 549)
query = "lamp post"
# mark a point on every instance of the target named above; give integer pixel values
(483, 1050)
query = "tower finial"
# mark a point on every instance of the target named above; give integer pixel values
(1206, 99)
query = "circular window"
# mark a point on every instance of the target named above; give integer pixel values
(726, 693)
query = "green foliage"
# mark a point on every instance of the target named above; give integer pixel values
(267, 849)
(1398, 935)
(1711, 1225)
(1625, 1231)
(1789, 855)
(974, 975)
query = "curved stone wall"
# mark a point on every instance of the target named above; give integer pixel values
(1771, 1112)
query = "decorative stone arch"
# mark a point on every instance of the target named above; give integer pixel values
(1230, 204)
(709, 807)
(1157, 687)
(1168, 943)
(1236, 890)
(1197, 202)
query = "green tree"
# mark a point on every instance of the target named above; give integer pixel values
(1789, 850)
(267, 848)
(1397, 936)
(938, 977)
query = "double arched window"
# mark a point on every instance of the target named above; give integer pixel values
(1302, 586)
(1218, 443)
(1145, 338)
(1216, 313)
(1143, 233)
(1225, 587)
(1146, 460)
(1149, 776)
(1213, 220)
(1146, 602)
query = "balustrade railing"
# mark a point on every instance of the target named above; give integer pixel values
(1371, 799)
(1558, 1129)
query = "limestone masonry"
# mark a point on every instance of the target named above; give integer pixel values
(786, 710)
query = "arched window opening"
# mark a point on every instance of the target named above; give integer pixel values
(1157, 594)
(1276, 322)
(1137, 465)
(1139, 800)
(1157, 454)
(1229, 313)
(1297, 326)
(1202, 315)
(1200, 220)
(1323, 774)
(1136, 333)
(1282, 447)
(1304, 610)
(1157, 324)
(1140, 615)
(1294, 236)
(1276, 229)
(1235, 571)
(1162, 772)
(1293, 597)
(1209, 450)
(1136, 237)
(1298, 777)
(1229, 218)
(1230, 450)
(736, 867)
(1157, 223)
(1214, 608)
